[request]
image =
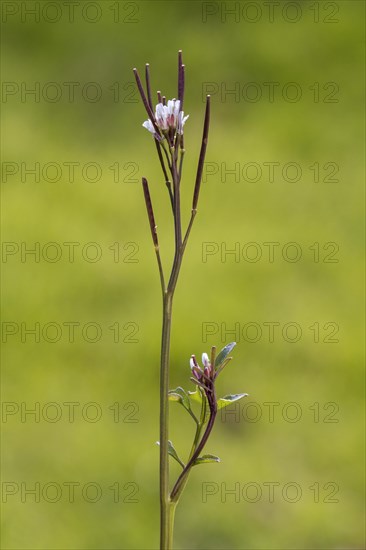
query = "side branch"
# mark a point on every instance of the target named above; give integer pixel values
(179, 485)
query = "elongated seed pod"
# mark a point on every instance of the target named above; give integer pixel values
(145, 101)
(201, 160)
(148, 86)
(150, 212)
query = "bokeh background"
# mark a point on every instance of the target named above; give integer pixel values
(107, 450)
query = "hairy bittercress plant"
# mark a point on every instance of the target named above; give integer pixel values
(166, 126)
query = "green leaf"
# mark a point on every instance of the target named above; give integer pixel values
(173, 453)
(206, 458)
(228, 399)
(223, 354)
(180, 395)
(196, 396)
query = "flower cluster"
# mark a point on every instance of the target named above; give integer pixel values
(166, 124)
(204, 377)
(167, 117)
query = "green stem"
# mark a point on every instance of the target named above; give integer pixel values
(196, 440)
(165, 524)
(200, 424)
(183, 478)
(167, 505)
(167, 508)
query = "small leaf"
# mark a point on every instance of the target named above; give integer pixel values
(180, 395)
(196, 396)
(173, 453)
(223, 354)
(223, 365)
(228, 399)
(206, 458)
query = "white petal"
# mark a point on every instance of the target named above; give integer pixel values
(181, 121)
(159, 110)
(170, 106)
(191, 362)
(176, 109)
(205, 359)
(149, 126)
(161, 115)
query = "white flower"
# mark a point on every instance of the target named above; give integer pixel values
(167, 117)
(205, 360)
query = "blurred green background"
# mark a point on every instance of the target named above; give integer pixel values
(114, 380)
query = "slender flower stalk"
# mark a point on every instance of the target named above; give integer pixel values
(166, 125)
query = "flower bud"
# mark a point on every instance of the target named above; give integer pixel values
(193, 362)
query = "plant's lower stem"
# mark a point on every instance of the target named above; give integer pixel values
(166, 526)
(167, 505)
